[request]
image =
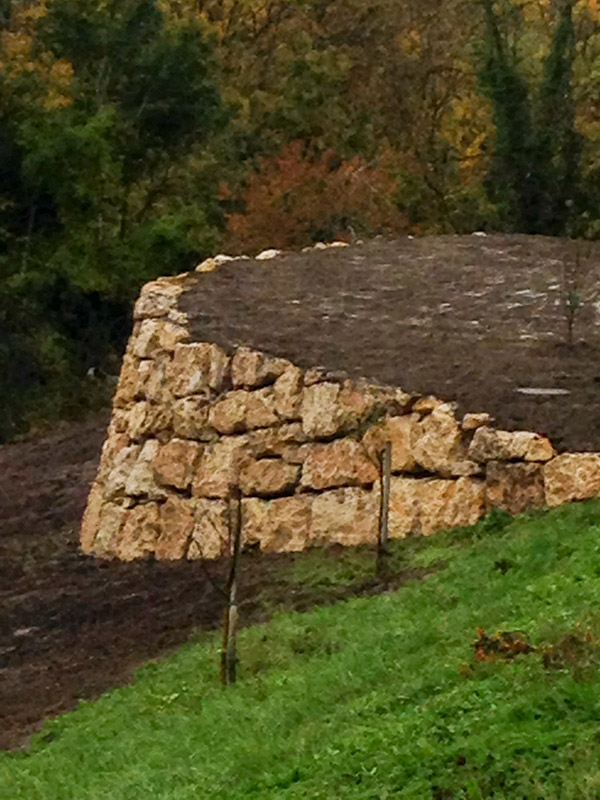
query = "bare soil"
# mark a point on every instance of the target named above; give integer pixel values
(466, 318)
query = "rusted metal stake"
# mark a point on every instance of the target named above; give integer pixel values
(230, 615)
(385, 474)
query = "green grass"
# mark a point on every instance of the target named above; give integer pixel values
(373, 698)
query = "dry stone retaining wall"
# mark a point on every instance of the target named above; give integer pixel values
(190, 420)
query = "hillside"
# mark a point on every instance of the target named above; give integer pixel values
(374, 698)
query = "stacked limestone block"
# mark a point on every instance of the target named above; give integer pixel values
(190, 421)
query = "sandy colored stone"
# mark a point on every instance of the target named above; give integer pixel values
(175, 463)
(210, 537)
(213, 263)
(514, 487)
(492, 445)
(220, 466)
(153, 382)
(287, 394)
(127, 386)
(279, 526)
(118, 476)
(157, 299)
(156, 337)
(425, 405)
(241, 411)
(340, 463)
(345, 516)
(320, 410)
(398, 431)
(198, 368)
(141, 481)
(427, 505)
(176, 528)
(269, 477)
(404, 507)
(111, 521)
(90, 522)
(114, 443)
(190, 419)
(140, 532)
(572, 476)
(251, 369)
(471, 422)
(146, 420)
(437, 444)
(270, 442)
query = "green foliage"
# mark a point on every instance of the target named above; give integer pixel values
(534, 173)
(374, 698)
(102, 190)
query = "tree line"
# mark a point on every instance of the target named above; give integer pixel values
(139, 136)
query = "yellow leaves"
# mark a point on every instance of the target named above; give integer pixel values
(410, 42)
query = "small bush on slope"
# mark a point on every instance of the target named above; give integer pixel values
(373, 698)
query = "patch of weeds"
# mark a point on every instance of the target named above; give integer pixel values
(332, 566)
(502, 646)
(576, 653)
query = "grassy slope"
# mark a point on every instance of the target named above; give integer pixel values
(367, 699)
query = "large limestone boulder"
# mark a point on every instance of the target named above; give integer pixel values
(340, 463)
(220, 466)
(251, 369)
(210, 537)
(269, 477)
(175, 463)
(158, 299)
(572, 476)
(141, 481)
(198, 368)
(399, 431)
(140, 532)
(155, 337)
(241, 411)
(514, 487)
(176, 528)
(437, 444)
(345, 516)
(279, 526)
(429, 505)
(492, 445)
(287, 394)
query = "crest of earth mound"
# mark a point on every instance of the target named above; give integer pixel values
(287, 374)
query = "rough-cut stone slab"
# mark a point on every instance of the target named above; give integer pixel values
(492, 445)
(425, 405)
(190, 419)
(425, 505)
(437, 444)
(176, 528)
(141, 481)
(139, 533)
(251, 369)
(157, 299)
(287, 394)
(404, 507)
(175, 463)
(272, 442)
(210, 537)
(399, 431)
(241, 411)
(111, 522)
(91, 519)
(572, 476)
(156, 337)
(269, 477)
(345, 516)
(471, 422)
(514, 487)
(119, 474)
(220, 466)
(129, 379)
(449, 504)
(152, 383)
(198, 368)
(146, 420)
(340, 463)
(320, 410)
(279, 526)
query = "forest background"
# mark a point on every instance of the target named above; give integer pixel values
(139, 136)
